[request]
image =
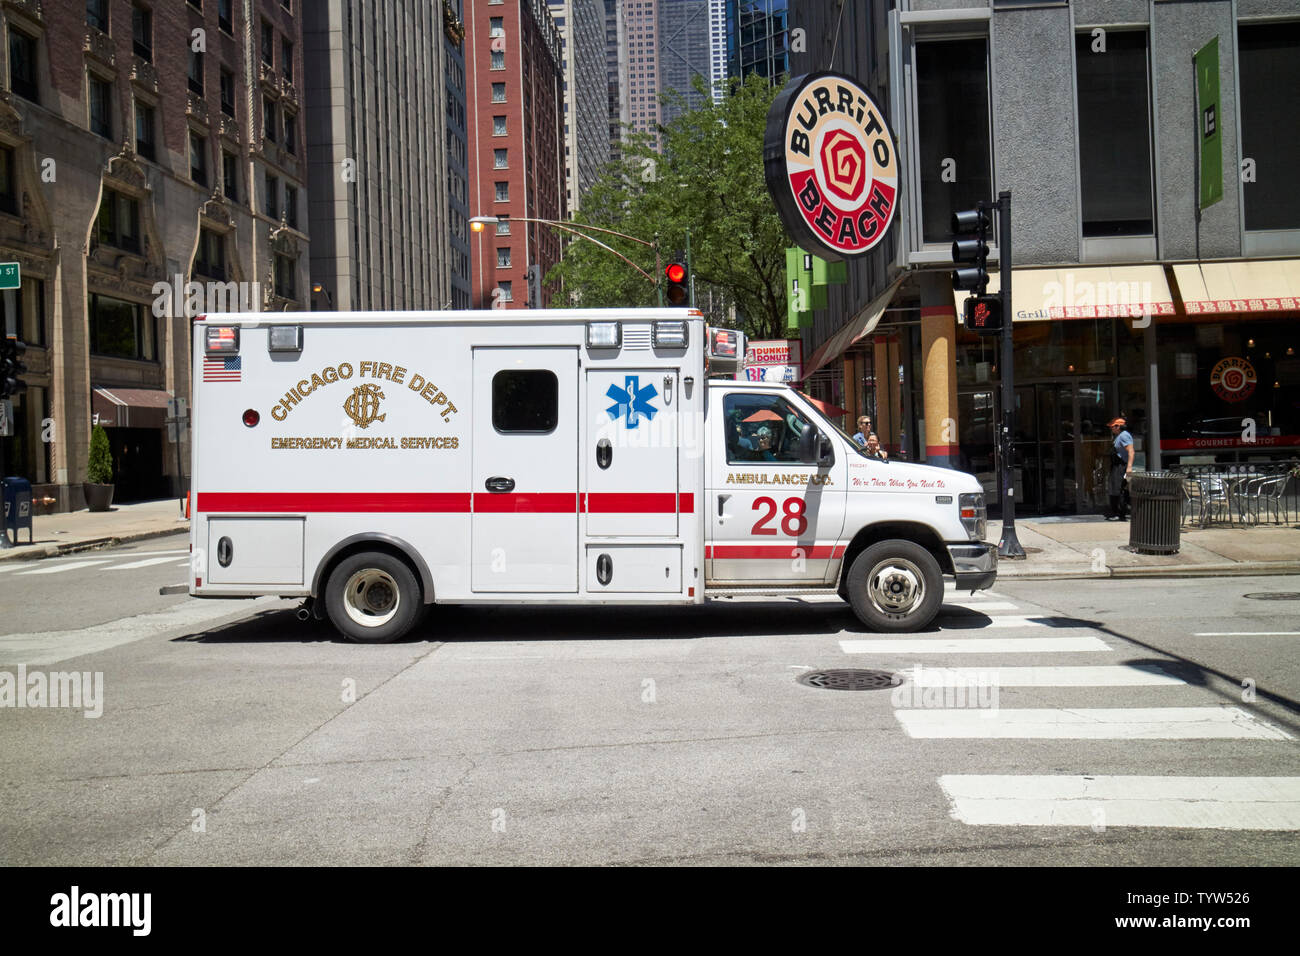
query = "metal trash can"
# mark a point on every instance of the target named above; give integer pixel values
(17, 494)
(1157, 510)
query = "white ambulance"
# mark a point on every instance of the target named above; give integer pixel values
(379, 463)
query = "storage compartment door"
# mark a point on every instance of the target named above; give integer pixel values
(631, 451)
(622, 568)
(255, 550)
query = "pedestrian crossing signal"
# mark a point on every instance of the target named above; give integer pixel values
(983, 314)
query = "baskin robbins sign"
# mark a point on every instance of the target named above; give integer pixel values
(830, 165)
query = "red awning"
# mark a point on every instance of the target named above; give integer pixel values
(129, 407)
(829, 410)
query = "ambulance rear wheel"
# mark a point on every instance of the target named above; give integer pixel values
(373, 598)
(895, 586)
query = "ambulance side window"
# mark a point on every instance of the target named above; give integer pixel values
(762, 428)
(525, 401)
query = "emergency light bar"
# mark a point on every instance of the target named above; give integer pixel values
(726, 351)
(221, 340)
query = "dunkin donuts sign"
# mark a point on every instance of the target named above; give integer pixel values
(830, 165)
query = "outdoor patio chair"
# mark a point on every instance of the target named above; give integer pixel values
(1268, 498)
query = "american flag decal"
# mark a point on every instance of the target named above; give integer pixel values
(224, 369)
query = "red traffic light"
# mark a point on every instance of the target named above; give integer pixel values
(676, 272)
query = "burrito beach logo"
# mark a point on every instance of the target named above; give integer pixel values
(1233, 379)
(830, 165)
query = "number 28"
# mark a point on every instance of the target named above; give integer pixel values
(793, 524)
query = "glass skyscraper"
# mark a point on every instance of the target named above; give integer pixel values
(758, 38)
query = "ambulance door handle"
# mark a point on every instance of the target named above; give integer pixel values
(500, 484)
(722, 500)
(604, 453)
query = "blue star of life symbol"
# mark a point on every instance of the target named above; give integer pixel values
(632, 402)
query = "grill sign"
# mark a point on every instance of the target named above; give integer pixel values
(830, 165)
(1233, 379)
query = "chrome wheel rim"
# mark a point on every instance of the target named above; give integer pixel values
(896, 587)
(371, 597)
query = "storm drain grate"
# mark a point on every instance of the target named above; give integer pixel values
(1274, 596)
(849, 679)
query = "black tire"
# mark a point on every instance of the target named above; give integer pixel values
(373, 598)
(895, 586)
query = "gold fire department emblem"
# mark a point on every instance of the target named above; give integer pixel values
(362, 405)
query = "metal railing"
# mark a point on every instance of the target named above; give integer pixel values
(1243, 493)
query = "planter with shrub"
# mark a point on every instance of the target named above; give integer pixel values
(98, 486)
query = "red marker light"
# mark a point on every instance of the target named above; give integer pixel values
(251, 417)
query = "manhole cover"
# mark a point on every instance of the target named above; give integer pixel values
(849, 679)
(1274, 596)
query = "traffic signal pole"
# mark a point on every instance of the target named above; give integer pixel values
(1009, 545)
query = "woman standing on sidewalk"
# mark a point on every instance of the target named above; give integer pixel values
(1121, 468)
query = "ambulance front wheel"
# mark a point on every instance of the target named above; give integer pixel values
(895, 586)
(373, 598)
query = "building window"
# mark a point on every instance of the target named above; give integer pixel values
(142, 33)
(498, 126)
(230, 175)
(1269, 76)
(498, 61)
(97, 14)
(22, 64)
(268, 44)
(227, 92)
(100, 94)
(498, 92)
(31, 311)
(118, 223)
(291, 131)
(1115, 164)
(525, 400)
(499, 159)
(496, 26)
(8, 182)
(952, 107)
(198, 158)
(503, 192)
(196, 4)
(269, 119)
(144, 130)
(291, 206)
(503, 258)
(286, 59)
(503, 227)
(285, 277)
(196, 72)
(224, 16)
(272, 196)
(121, 329)
(210, 258)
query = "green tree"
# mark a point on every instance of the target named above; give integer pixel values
(708, 179)
(99, 470)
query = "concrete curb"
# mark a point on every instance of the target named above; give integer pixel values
(1240, 569)
(33, 552)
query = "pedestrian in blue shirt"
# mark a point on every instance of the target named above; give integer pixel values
(1121, 469)
(864, 430)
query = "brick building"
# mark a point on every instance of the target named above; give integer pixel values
(143, 146)
(515, 100)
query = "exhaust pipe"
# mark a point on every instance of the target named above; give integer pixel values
(304, 611)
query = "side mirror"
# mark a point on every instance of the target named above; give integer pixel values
(809, 449)
(825, 450)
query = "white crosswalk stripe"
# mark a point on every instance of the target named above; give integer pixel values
(66, 566)
(1109, 675)
(1089, 723)
(142, 563)
(1223, 803)
(985, 606)
(972, 645)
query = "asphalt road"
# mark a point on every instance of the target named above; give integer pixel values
(1107, 728)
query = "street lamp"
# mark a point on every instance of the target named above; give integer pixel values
(477, 223)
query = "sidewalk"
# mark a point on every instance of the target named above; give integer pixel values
(1088, 546)
(81, 530)
(1082, 546)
